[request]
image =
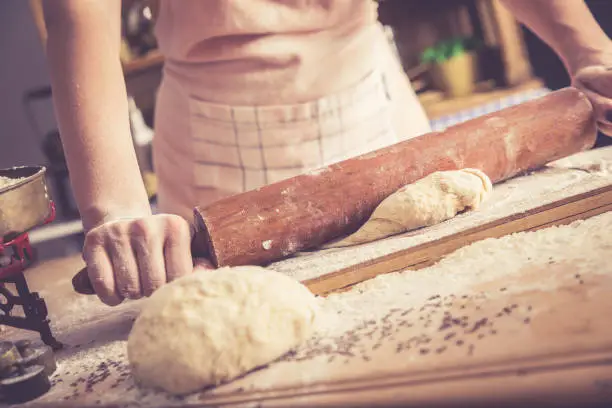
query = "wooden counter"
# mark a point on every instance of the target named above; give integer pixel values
(518, 320)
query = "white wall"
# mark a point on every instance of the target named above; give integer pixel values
(22, 67)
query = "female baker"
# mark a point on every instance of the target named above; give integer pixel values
(253, 91)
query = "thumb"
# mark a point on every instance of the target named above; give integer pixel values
(596, 83)
(596, 79)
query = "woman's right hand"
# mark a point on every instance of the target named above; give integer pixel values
(131, 258)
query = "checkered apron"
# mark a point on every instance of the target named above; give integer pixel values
(206, 151)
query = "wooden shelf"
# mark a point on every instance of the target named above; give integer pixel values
(436, 105)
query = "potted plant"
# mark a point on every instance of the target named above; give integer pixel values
(454, 65)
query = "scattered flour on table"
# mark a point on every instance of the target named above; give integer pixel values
(429, 302)
(600, 166)
(101, 367)
(79, 310)
(584, 244)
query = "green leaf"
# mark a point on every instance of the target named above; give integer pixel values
(456, 49)
(447, 49)
(429, 55)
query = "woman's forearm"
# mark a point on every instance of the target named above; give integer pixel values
(92, 110)
(568, 27)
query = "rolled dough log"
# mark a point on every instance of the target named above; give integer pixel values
(428, 201)
(213, 326)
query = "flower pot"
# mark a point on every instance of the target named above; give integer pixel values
(457, 75)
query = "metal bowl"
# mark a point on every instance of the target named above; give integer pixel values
(24, 204)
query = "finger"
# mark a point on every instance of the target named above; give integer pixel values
(597, 79)
(605, 128)
(123, 259)
(177, 248)
(602, 106)
(148, 246)
(100, 272)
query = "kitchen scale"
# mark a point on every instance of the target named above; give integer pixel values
(24, 205)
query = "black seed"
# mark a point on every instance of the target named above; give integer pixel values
(480, 323)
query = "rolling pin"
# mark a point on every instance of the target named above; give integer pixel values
(270, 223)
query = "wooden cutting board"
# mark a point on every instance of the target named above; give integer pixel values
(574, 188)
(521, 319)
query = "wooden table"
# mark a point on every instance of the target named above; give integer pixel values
(519, 320)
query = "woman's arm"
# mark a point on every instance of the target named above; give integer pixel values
(129, 252)
(568, 27)
(92, 109)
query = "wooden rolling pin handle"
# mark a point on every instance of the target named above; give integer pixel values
(264, 225)
(81, 283)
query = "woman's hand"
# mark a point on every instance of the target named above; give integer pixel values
(572, 31)
(130, 259)
(596, 82)
(129, 252)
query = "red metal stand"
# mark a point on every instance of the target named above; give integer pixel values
(34, 307)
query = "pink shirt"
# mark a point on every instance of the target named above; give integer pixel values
(232, 50)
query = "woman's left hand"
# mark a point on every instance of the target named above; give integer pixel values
(596, 82)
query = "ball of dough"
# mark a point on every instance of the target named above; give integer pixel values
(428, 201)
(213, 326)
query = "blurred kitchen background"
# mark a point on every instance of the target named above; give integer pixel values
(465, 58)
